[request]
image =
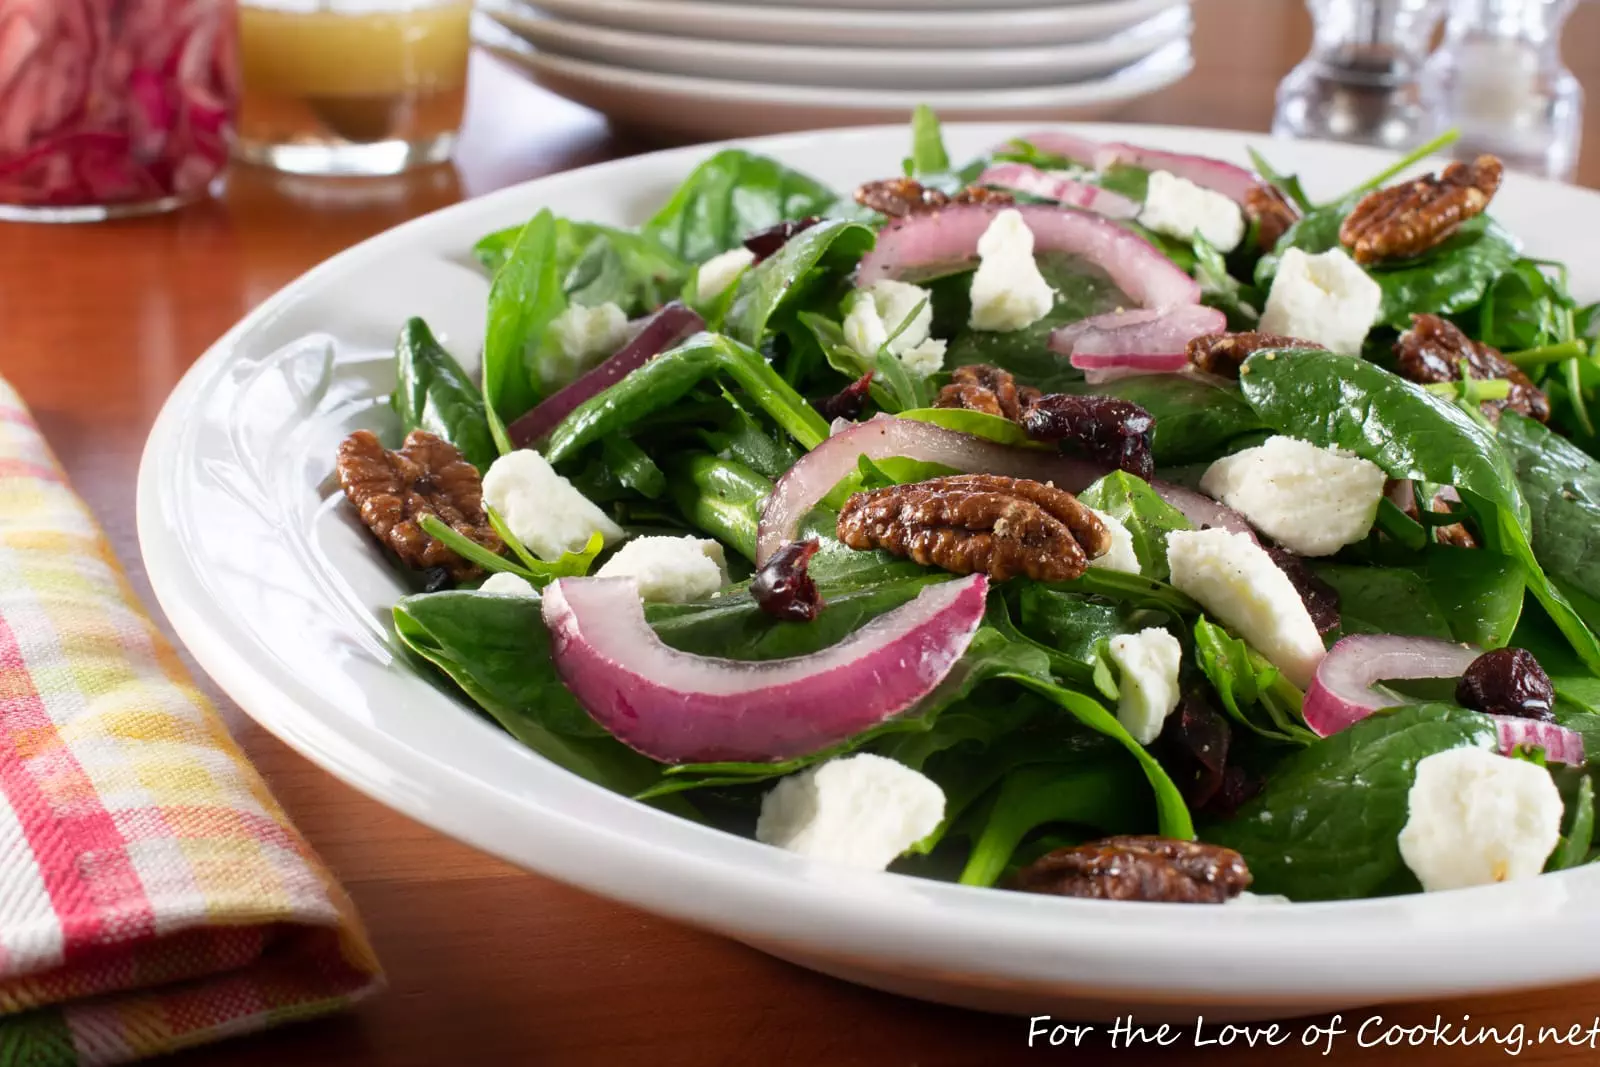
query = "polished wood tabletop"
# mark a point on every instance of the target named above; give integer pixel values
(488, 964)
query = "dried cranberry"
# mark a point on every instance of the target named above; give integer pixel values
(1114, 432)
(767, 242)
(1194, 747)
(1238, 788)
(849, 402)
(783, 589)
(1508, 681)
(1320, 598)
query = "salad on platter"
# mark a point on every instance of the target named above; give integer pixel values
(1085, 519)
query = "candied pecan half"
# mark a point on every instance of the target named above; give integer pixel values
(1447, 500)
(1272, 214)
(899, 197)
(849, 402)
(783, 589)
(1434, 349)
(1114, 432)
(1408, 219)
(1140, 868)
(980, 387)
(764, 243)
(1320, 598)
(979, 522)
(427, 476)
(1223, 354)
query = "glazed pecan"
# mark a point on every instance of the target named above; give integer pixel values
(1223, 354)
(978, 522)
(1408, 219)
(1434, 349)
(1140, 868)
(1115, 432)
(427, 476)
(1320, 598)
(899, 197)
(1446, 501)
(980, 387)
(1272, 214)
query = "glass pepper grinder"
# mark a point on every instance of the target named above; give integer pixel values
(1360, 82)
(1499, 79)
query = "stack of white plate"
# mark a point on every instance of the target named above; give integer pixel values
(726, 68)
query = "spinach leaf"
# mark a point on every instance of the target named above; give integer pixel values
(1327, 825)
(722, 497)
(1288, 185)
(633, 467)
(1071, 626)
(524, 298)
(1450, 278)
(1252, 691)
(1148, 518)
(496, 648)
(1573, 850)
(1196, 420)
(1315, 231)
(1133, 589)
(1388, 600)
(746, 440)
(977, 423)
(1221, 290)
(894, 387)
(927, 143)
(433, 393)
(1523, 309)
(1562, 485)
(783, 281)
(1480, 593)
(729, 196)
(600, 264)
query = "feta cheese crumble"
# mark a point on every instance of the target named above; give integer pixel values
(1147, 663)
(1326, 298)
(504, 583)
(1120, 556)
(874, 315)
(860, 810)
(670, 569)
(1235, 580)
(541, 508)
(1311, 500)
(585, 336)
(1008, 292)
(719, 272)
(1477, 818)
(1179, 208)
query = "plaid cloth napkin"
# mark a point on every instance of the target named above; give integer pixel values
(153, 895)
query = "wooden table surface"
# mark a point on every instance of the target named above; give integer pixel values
(487, 963)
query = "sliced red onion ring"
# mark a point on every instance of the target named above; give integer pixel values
(950, 236)
(1560, 744)
(1231, 181)
(1202, 511)
(677, 707)
(1063, 144)
(1343, 693)
(1141, 341)
(661, 331)
(1022, 178)
(819, 470)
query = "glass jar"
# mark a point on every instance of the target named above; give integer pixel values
(1361, 82)
(113, 109)
(1498, 79)
(352, 87)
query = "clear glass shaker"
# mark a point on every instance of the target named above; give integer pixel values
(1499, 79)
(1360, 82)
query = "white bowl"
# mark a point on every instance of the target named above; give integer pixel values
(909, 69)
(675, 107)
(285, 601)
(854, 28)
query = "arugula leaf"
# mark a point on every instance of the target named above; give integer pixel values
(1221, 290)
(729, 196)
(1148, 518)
(927, 143)
(600, 264)
(433, 393)
(784, 281)
(1132, 589)
(1245, 682)
(1288, 185)
(1196, 420)
(894, 388)
(1523, 309)
(1327, 825)
(977, 423)
(524, 298)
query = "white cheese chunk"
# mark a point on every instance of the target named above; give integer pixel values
(1235, 580)
(1326, 298)
(861, 810)
(670, 569)
(1008, 292)
(1477, 818)
(721, 271)
(897, 314)
(1311, 500)
(1120, 556)
(541, 508)
(1179, 208)
(504, 583)
(584, 336)
(1147, 665)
